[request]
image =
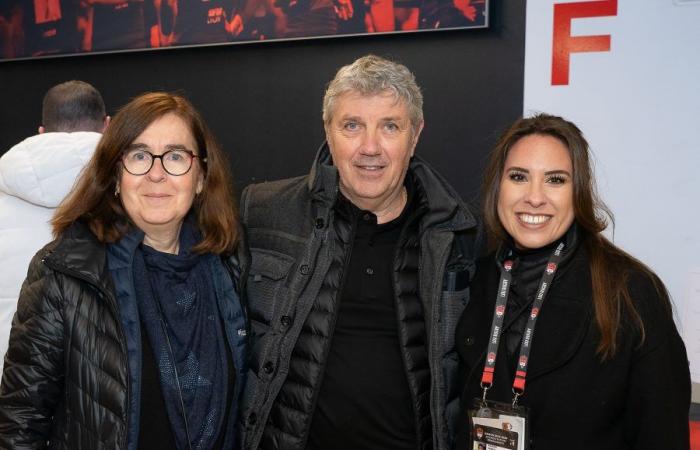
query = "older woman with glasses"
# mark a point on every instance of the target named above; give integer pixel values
(129, 331)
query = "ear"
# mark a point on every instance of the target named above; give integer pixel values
(325, 130)
(416, 135)
(42, 130)
(105, 123)
(200, 184)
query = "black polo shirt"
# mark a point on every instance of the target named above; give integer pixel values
(365, 401)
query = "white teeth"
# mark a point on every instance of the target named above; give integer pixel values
(371, 167)
(534, 220)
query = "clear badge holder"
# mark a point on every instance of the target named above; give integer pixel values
(498, 426)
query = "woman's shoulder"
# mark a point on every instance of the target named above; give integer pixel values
(643, 280)
(76, 250)
(649, 295)
(652, 305)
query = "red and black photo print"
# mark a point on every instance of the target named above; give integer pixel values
(39, 28)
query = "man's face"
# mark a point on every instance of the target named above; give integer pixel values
(371, 141)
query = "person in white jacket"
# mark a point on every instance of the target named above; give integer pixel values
(35, 176)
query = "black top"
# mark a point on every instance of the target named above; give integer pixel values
(49, 26)
(365, 401)
(121, 25)
(203, 21)
(154, 427)
(528, 269)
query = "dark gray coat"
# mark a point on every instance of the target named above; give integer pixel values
(293, 285)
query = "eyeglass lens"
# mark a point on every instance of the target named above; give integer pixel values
(175, 162)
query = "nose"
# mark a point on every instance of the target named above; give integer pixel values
(157, 172)
(370, 143)
(535, 195)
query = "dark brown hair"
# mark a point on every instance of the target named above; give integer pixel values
(610, 266)
(93, 199)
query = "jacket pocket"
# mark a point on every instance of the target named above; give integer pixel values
(266, 278)
(451, 309)
(266, 297)
(452, 305)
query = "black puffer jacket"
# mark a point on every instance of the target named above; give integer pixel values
(67, 322)
(299, 246)
(71, 378)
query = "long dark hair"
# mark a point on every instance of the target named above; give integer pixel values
(610, 266)
(93, 198)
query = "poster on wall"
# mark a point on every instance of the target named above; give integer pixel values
(41, 28)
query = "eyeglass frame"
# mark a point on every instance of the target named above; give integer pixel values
(192, 154)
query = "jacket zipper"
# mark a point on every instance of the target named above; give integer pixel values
(241, 284)
(399, 248)
(339, 292)
(434, 348)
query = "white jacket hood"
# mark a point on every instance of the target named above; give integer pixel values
(43, 168)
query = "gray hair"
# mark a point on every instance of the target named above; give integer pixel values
(373, 75)
(73, 106)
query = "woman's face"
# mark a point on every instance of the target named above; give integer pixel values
(535, 203)
(158, 202)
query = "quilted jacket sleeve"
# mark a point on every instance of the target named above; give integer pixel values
(33, 375)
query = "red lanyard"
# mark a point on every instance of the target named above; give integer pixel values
(497, 324)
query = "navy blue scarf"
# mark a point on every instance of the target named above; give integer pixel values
(176, 295)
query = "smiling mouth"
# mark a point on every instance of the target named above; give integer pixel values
(370, 168)
(533, 219)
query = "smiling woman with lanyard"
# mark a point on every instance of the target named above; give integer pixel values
(568, 341)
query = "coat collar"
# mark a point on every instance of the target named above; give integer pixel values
(563, 324)
(565, 317)
(78, 252)
(121, 253)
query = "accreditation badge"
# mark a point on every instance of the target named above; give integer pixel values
(498, 426)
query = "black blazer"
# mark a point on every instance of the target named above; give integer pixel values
(637, 400)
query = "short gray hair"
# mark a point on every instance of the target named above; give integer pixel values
(373, 75)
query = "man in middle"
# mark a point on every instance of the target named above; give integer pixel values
(359, 273)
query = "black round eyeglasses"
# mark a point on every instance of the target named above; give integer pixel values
(138, 161)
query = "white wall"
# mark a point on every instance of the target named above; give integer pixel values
(639, 107)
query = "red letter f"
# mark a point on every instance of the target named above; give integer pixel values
(564, 44)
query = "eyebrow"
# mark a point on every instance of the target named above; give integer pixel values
(549, 172)
(169, 147)
(383, 119)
